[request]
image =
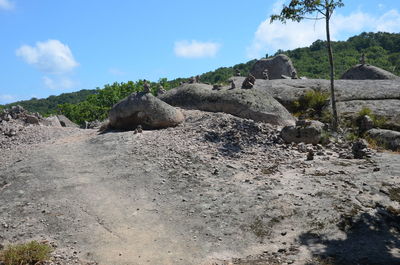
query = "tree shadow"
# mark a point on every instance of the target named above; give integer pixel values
(370, 239)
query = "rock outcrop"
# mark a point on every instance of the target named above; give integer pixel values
(65, 122)
(275, 66)
(387, 138)
(248, 104)
(382, 97)
(366, 71)
(143, 109)
(305, 131)
(52, 121)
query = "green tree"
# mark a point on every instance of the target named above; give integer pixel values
(298, 10)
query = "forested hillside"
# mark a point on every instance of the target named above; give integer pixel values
(47, 106)
(381, 49)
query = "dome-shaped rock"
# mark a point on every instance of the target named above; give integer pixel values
(276, 67)
(146, 110)
(366, 71)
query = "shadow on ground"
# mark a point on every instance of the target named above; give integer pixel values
(370, 239)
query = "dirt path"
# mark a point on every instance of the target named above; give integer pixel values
(101, 204)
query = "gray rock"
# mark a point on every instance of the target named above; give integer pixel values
(381, 96)
(31, 119)
(248, 104)
(276, 67)
(305, 131)
(387, 138)
(366, 71)
(51, 121)
(389, 109)
(65, 122)
(146, 110)
(364, 123)
(360, 149)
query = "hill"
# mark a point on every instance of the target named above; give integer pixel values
(49, 105)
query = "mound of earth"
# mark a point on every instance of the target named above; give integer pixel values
(366, 71)
(217, 189)
(248, 104)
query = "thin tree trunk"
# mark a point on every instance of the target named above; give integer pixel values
(332, 71)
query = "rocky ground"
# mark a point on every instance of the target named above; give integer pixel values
(214, 190)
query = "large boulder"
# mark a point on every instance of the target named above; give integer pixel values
(143, 109)
(65, 122)
(305, 131)
(366, 71)
(52, 121)
(283, 90)
(277, 66)
(248, 104)
(387, 138)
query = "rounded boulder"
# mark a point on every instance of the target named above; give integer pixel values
(146, 110)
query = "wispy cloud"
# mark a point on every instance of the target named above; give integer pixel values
(196, 49)
(6, 5)
(51, 56)
(59, 83)
(271, 37)
(6, 98)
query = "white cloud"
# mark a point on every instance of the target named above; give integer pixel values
(271, 37)
(389, 22)
(6, 5)
(196, 49)
(62, 83)
(51, 56)
(6, 98)
(277, 6)
(116, 72)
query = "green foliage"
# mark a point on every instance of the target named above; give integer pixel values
(26, 254)
(97, 106)
(377, 120)
(298, 10)
(364, 111)
(313, 101)
(381, 50)
(49, 105)
(221, 75)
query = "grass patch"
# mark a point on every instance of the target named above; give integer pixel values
(377, 120)
(311, 104)
(31, 253)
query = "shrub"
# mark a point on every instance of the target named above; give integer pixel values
(311, 100)
(26, 254)
(378, 121)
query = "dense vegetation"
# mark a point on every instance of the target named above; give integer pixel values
(47, 106)
(381, 49)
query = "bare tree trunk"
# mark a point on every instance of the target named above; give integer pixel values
(332, 71)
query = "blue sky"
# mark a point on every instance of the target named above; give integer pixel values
(49, 47)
